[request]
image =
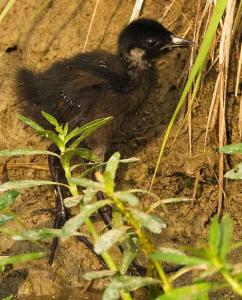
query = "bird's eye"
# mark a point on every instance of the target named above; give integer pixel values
(151, 42)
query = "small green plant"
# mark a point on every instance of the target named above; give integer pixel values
(129, 226)
(235, 173)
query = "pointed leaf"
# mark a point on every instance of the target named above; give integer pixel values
(174, 256)
(7, 199)
(112, 164)
(89, 130)
(214, 239)
(109, 238)
(25, 151)
(65, 130)
(51, 119)
(25, 184)
(10, 297)
(82, 152)
(91, 126)
(72, 201)
(5, 218)
(73, 224)
(9, 260)
(98, 274)
(231, 149)
(128, 197)
(152, 223)
(128, 284)
(226, 235)
(110, 171)
(194, 292)
(54, 138)
(235, 173)
(33, 235)
(31, 123)
(86, 183)
(108, 183)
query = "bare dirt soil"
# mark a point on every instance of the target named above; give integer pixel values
(59, 31)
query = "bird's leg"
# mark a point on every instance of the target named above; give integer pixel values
(61, 213)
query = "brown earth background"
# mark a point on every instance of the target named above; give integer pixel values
(59, 31)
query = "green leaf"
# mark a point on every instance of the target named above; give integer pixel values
(65, 130)
(231, 149)
(7, 297)
(84, 182)
(152, 223)
(226, 237)
(9, 260)
(191, 292)
(31, 123)
(91, 126)
(112, 164)
(127, 197)
(108, 183)
(7, 199)
(98, 274)
(25, 151)
(73, 224)
(214, 236)
(54, 138)
(127, 283)
(33, 235)
(110, 171)
(89, 129)
(89, 194)
(109, 238)
(174, 256)
(5, 218)
(82, 152)
(51, 120)
(25, 184)
(235, 173)
(72, 201)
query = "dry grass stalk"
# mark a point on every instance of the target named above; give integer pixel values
(224, 57)
(12, 166)
(197, 27)
(136, 10)
(90, 25)
(198, 24)
(167, 9)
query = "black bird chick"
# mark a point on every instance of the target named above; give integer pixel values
(99, 84)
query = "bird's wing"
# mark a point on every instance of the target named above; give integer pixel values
(79, 96)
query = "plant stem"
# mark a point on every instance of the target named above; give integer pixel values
(145, 243)
(91, 229)
(233, 283)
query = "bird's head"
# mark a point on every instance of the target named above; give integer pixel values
(147, 38)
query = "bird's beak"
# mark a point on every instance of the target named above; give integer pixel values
(180, 42)
(176, 41)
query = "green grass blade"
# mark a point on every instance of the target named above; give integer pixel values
(198, 65)
(6, 9)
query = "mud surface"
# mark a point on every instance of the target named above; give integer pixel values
(59, 31)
